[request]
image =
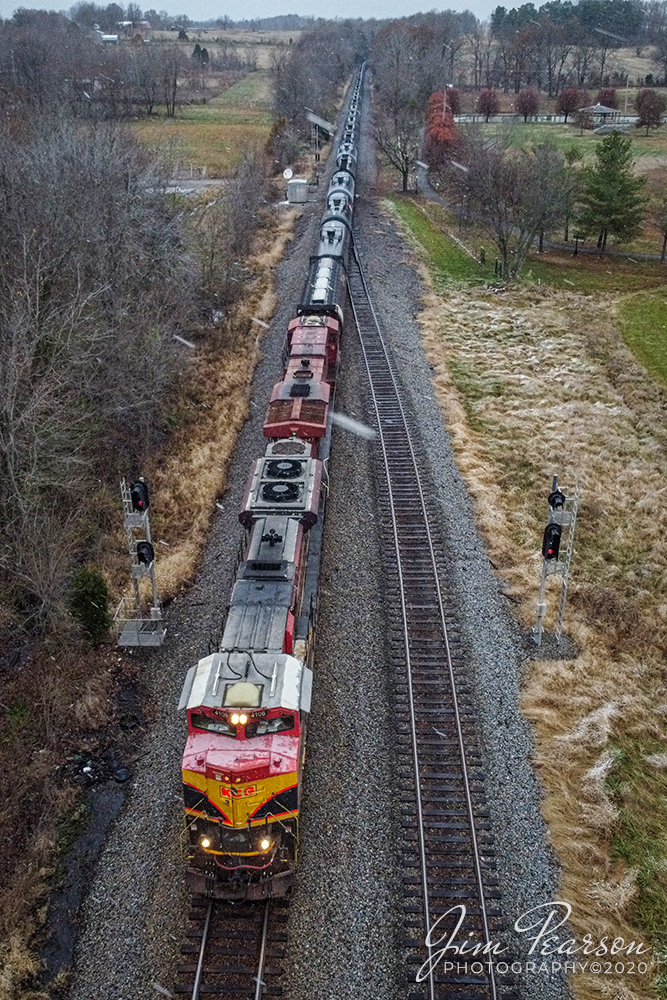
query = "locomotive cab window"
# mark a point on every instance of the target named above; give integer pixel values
(280, 724)
(220, 726)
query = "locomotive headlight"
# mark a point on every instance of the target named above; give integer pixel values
(265, 844)
(235, 719)
(243, 719)
(205, 842)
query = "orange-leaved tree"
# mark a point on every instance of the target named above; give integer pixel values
(441, 133)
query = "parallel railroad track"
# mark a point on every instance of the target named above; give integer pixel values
(234, 950)
(447, 850)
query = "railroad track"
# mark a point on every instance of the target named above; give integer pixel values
(447, 850)
(234, 950)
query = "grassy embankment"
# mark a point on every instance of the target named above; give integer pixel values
(553, 379)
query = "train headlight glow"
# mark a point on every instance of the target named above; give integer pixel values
(235, 719)
(205, 842)
(243, 719)
(265, 844)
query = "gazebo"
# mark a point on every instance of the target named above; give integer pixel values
(602, 115)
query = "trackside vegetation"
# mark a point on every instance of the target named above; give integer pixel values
(538, 380)
(448, 260)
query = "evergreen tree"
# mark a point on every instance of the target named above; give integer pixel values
(89, 601)
(613, 197)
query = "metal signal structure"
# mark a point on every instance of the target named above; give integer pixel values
(137, 628)
(562, 514)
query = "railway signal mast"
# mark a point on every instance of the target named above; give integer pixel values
(562, 514)
(139, 629)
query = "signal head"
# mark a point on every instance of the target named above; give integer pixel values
(139, 495)
(557, 499)
(551, 541)
(145, 553)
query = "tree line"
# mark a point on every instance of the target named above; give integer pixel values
(556, 46)
(100, 272)
(49, 60)
(310, 74)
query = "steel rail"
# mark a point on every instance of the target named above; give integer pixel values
(406, 637)
(259, 986)
(200, 963)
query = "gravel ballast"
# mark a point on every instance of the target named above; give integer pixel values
(345, 910)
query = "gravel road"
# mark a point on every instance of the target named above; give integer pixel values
(345, 910)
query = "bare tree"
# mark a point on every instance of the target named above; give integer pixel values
(224, 231)
(583, 56)
(520, 193)
(95, 278)
(650, 107)
(569, 100)
(399, 106)
(487, 103)
(398, 134)
(658, 209)
(172, 63)
(660, 53)
(146, 72)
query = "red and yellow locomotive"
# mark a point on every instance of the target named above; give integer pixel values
(247, 705)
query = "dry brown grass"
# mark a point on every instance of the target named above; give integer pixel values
(532, 383)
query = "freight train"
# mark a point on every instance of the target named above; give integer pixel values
(247, 705)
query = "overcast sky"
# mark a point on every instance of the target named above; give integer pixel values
(240, 10)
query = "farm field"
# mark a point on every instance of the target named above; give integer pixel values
(215, 136)
(536, 380)
(257, 45)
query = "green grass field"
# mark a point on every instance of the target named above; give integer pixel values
(644, 325)
(217, 135)
(635, 783)
(446, 259)
(568, 136)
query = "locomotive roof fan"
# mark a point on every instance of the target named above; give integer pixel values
(283, 469)
(290, 446)
(280, 492)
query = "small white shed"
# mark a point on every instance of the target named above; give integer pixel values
(297, 191)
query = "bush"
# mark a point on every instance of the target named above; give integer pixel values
(487, 103)
(89, 602)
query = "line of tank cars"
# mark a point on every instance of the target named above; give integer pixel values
(247, 705)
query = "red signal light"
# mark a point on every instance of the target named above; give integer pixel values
(551, 541)
(139, 495)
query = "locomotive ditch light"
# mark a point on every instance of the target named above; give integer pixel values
(236, 719)
(551, 541)
(139, 495)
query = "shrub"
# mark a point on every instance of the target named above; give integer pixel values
(89, 602)
(488, 103)
(528, 102)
